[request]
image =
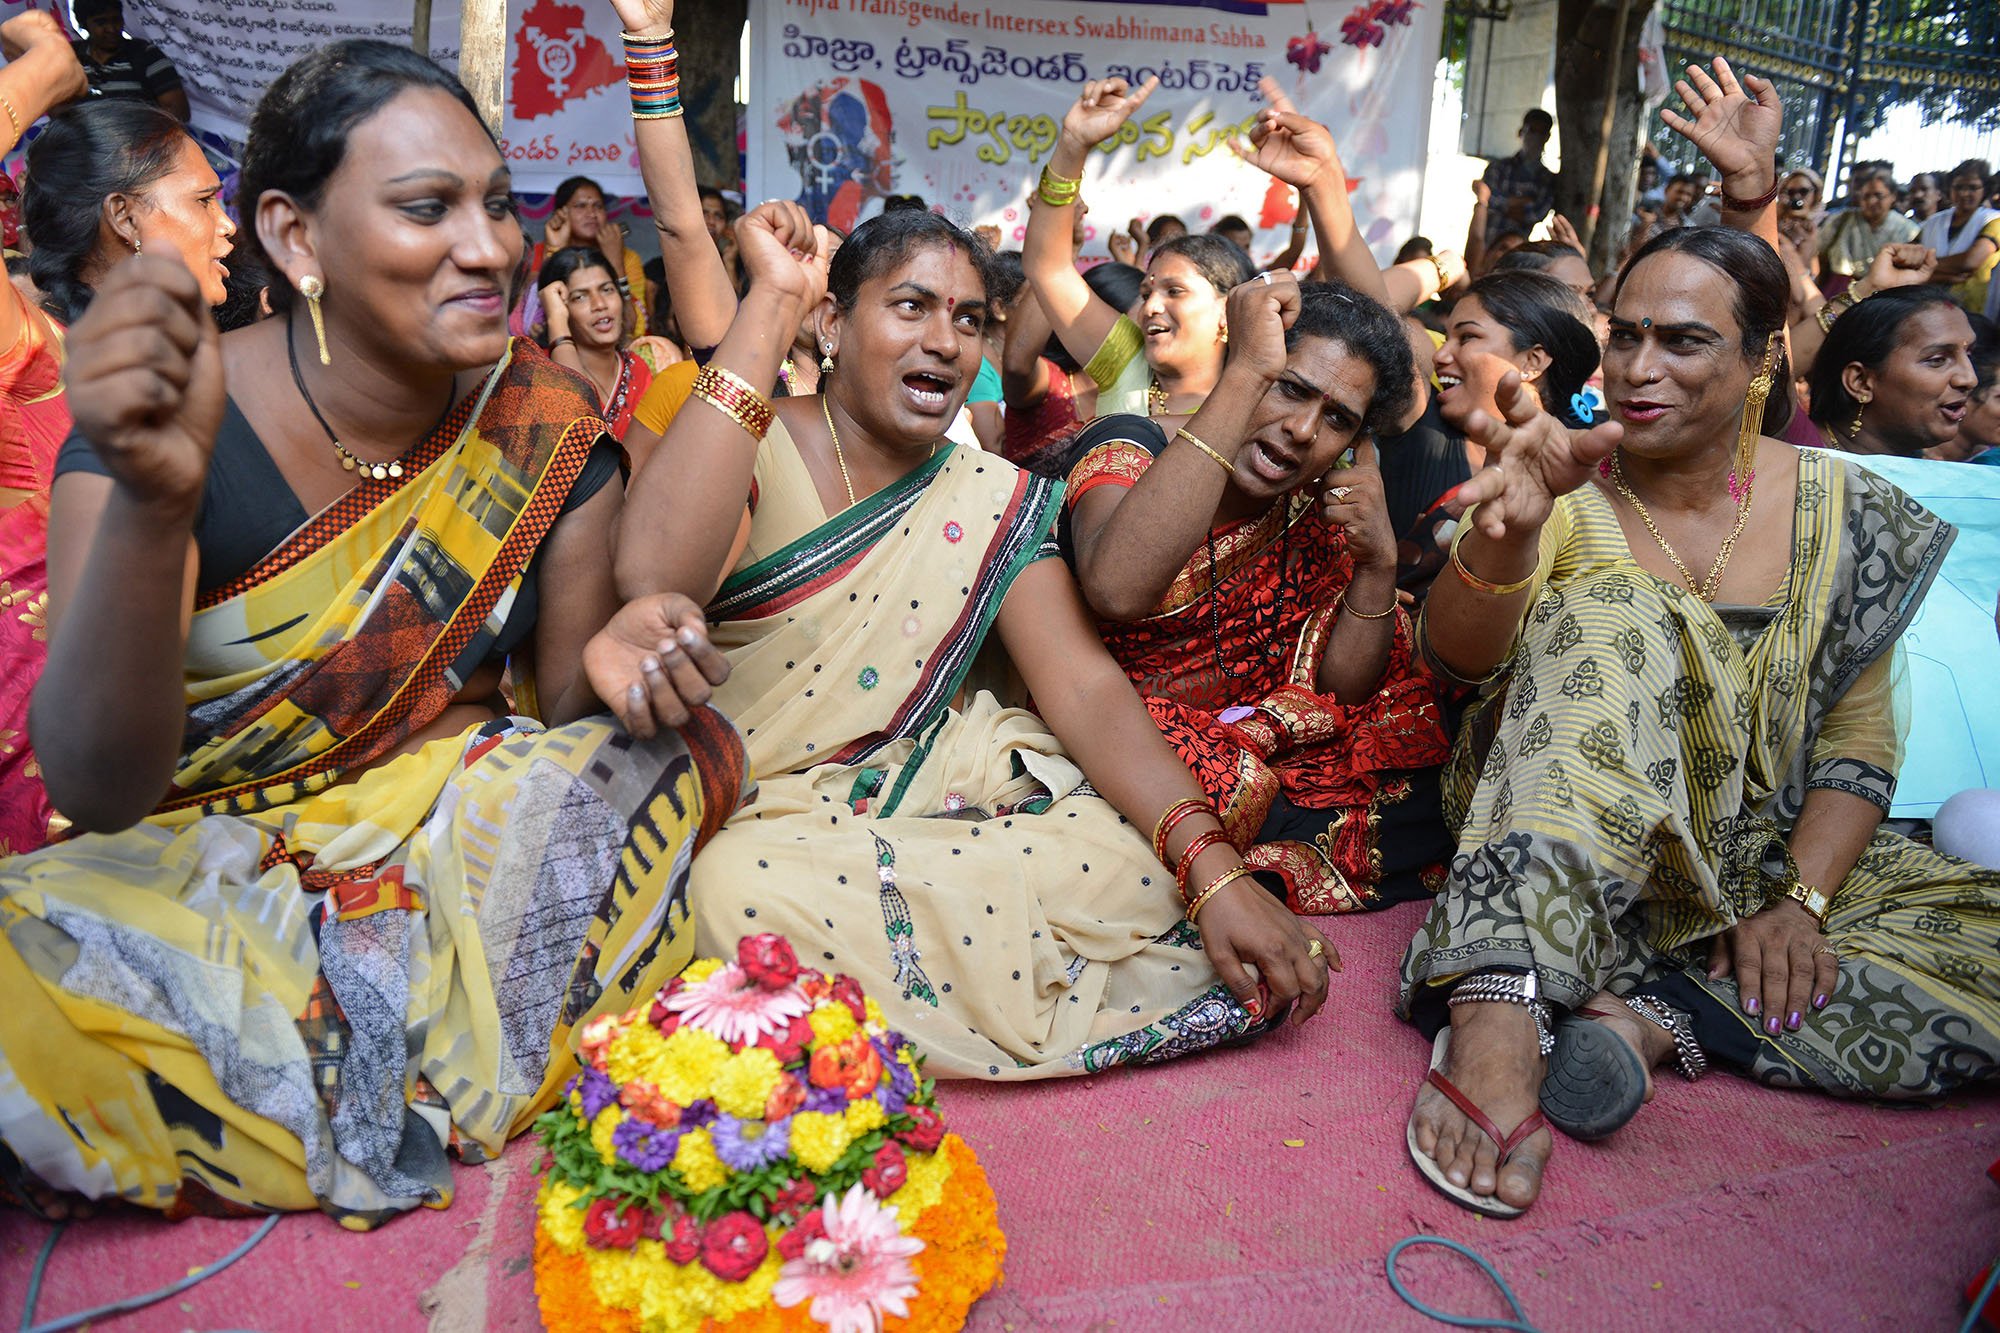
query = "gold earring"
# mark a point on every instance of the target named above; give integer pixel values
(1222, 334)
(1861, 405)
(826, 359)
(312, 287)
(137, 248)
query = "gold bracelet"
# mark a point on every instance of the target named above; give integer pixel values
(1214, 886)
(1184, 434)
(1839, 306)
(1049, 171)
(1340, 604)
(1813, 900)
(1473, 581)
(1057, 191)
(11, 117)
(732, 396)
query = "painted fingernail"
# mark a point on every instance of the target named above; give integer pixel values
(1792, 1020)
(1750, 1005)
(1771, 1025)
(1819, 1001)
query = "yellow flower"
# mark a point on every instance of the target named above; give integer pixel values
(832, 1023)
(819, 1140)
(600, 1131)
(874, 1012)
(863, 1116)
(700, 1169)
(636, 1051)
(701, 969)
(745, 1081)
(683, 1067)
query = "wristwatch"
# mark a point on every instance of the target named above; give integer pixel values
(1812, 899)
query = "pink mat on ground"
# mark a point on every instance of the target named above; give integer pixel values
(1170, 1199)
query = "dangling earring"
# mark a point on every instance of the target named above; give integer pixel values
(312, 287)
(1222, 334)
(1855, 429)
(137, 248)
(826, 358)
(1744, 473)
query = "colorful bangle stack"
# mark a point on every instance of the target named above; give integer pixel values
(1215, 886)
(731, 395)
(1184, 868)
(1058, 191)
(652, 72)
(1171, 819)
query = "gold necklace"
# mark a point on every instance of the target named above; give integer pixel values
(1706, 588)
(838, 457)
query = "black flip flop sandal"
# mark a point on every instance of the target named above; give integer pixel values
(1595, 1082)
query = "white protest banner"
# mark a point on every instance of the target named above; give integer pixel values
(568, 113)
(959, 102)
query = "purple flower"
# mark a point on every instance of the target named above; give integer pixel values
(598, 1093)
(894, 1094)
(747, 1145)
(698, 1114)
(826, 1101)
(645, 1146)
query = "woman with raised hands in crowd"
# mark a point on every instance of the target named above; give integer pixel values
(338, 905)
(1669, 792)
(1894, 374)
(106, 179)
(1256, 610)
(578, 217)
(586, 317)
(983, 872)
(1048, 395)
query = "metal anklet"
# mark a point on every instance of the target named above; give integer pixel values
(1509, 988)
(1687, 1051)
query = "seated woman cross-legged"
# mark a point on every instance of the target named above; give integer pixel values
(983, 872)
(1670, 792)
(337, 905)
(1245, 577)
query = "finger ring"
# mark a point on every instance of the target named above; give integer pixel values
(1339, 493)
(1264, 278)
(1828, 950)
(1315, 949)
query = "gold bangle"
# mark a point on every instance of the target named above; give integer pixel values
(1049, 172)
(12, 118)
(1340, 604)
(1184, 434)
(732, 396)
(1215, 886)
(1473, 581)
(1056, 191)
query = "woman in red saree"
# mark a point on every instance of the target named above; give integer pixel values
(1227, 598)
(149, 186)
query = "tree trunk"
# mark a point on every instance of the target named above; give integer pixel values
(1584, 72)
(709, 45)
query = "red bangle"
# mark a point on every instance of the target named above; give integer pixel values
(1176, 812)
(1184, 867)
(1733, 205)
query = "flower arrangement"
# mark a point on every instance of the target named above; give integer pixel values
(756, 1150)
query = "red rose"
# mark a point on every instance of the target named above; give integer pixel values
(733, 1245)
(606, 1227)
(788, 1096)
(927, 1133)
(790, 1044)
(683, 1239)
(889, 1172)
(769, 960)
(650, 1223)
(810, 1228)
(848, 991)
(795, 1197)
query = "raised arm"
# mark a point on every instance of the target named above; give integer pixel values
(1906, 264)
(704, 296)
(1024, 376)
(41, 74)
(1300, 152)
(1048, 252)
(1131, 543)
(1736, 126)
(145, 385)
(684, 508)
(1472, 614)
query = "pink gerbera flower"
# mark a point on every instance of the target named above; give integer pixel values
(858, 1272)
(735, 1008)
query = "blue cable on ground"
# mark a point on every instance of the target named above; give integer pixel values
(130, 1303)
(1519, 1323)
(1985, 1295)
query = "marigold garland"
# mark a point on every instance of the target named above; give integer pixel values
(757, 1121)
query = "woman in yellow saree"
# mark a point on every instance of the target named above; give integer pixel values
(910, 829)
(375, 901)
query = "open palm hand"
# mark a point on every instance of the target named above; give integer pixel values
(1735, 125)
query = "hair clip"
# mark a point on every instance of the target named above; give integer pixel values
(1581, 405)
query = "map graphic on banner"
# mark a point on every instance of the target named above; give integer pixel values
(960, 103)
(568, 113)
